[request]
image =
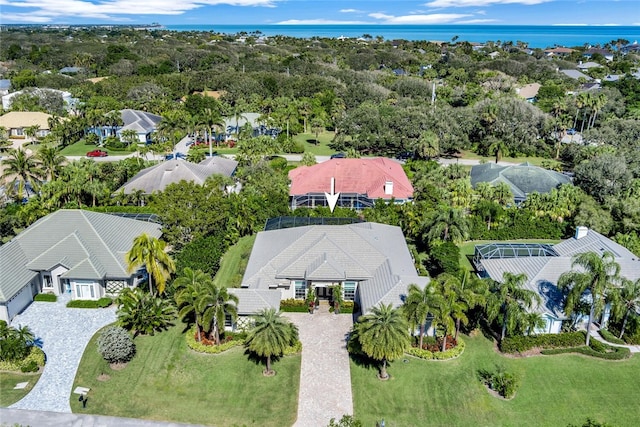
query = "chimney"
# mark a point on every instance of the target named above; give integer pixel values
(388, 188)
(581, 232)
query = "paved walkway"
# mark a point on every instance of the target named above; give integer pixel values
(10, 417)
(595, 334)
(63, 334)
(325, 376)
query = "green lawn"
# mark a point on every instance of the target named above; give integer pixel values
(554, 391)
(81, 149)
(234, 262)
(8, 380)
(308, 141)
(167, 381)
(537, 161)
(467, 248)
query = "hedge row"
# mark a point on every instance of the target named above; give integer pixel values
(294, 306)
(84, 303)
(45, 298)
(438, 355)
(595, 349)
(520, 344)
(293, 349)
(210, 349)
(36, 355)
(347, 307)
(610, 337)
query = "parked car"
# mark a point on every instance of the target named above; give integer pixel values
(338, 156)
(97, 153)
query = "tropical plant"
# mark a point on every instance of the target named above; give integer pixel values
(626, 300)
(383, 335)
(15, 343)
(142, 312)
(419, 303)
(214, 303)
(189, 286)
(449, 224)
(20, 170)
(50, 161)
(270, 335)
(597, 274)
(149, 251)
(508, 302)
(115, 345)
(468, 290)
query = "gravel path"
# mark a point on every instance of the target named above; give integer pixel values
(63, 334)
(325, 376)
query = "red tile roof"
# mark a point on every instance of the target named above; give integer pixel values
(362, 176)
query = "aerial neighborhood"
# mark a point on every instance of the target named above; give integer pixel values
(217, 229)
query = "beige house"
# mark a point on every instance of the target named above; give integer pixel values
(15, 122)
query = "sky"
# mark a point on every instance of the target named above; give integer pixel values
(301, 12)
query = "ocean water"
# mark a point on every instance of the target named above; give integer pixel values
(535, 36)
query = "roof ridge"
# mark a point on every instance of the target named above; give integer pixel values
(82, 212)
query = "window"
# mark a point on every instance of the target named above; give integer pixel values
(48, 282)
(349, 290)
(227, 321)
(301, 289)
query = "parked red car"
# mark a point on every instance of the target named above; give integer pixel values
(97, 153)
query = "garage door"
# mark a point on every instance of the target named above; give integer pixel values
(16, 304)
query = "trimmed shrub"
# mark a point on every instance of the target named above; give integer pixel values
(294, 306)
(293, 349)
(610, 337)
(452, 353)
(35, 355)
(83, 303)
(194, 345)
(346, 307)
(45, 298)
(519, 344)
(191, 254)
(595, 349)
(30, 366)
(115, 345)
(503, 382)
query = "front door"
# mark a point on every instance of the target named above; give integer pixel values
(323, 292)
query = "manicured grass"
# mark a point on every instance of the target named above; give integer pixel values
(308, 141)
(468, 248)
(167, 381)
(81, 149)
(537, 161)
(8, 380)
(234, 262)
(554, 391)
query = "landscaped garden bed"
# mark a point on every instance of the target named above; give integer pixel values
(45, 298)
(431, 349)
(82, 303)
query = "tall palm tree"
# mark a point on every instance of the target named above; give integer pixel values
(214, 303)
(597, 274)
(499, 148)
(508, 301)
(150, 252)
(383, 334)
(50, 161)
(270, 335)
(418, 304)
(427, 146)
(20, 169)
(449, 224)
(189, 286)
(467, 288)
(626, 301)
(31, 132)
(450, 311)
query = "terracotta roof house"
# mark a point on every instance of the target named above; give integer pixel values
(69, 252)
(16, 121)
(370, 261)
(158, 177)
(529, 92)
(360, 183)
(523, 179)
(143, 123)
(543, 264)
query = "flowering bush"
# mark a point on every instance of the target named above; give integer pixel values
(451, 353)
(208, 346)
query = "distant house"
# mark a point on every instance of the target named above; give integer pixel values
(71, 70)
(233, 126)
(558, 51)
(604, 52)
(371, 262)
(141, 122)
(68, 101)
(529, 92)
(543, 264)
(73, 252)
(158, 177)
(5, 86)
(16, 121)
(575, 74)
(523, 179)
(630, 48)
(588, 65)
(360, 183)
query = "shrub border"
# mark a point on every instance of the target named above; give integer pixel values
(450, 354)
(36, 354)
(45, 298)
(619, 353)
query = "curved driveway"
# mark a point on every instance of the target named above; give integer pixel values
(63, 334)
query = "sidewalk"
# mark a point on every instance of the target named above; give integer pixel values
(595, 334)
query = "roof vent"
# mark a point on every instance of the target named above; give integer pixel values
(388, 188)
(581, 232)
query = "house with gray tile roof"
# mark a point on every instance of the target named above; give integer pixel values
(141, 122)
(543, 265)
(523, 179)
(370, 261)
(70, 251)
(158, 177)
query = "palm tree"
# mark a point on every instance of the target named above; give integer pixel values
(597, 274)
(427, 145)
(142, 312)
(508, 301)
(50, 161)
(150, 252)
(626, 301)
(31, 132)
(449, 224)
(19, 169)
(450, 311)
(418, 304)
(130, 137)
(467, 288)
(499, 148)
(214, 303)
(532, 321)
(383, 334)
(270, 335)
(188, 287)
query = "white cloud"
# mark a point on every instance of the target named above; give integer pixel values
(481, 3)
(40, 11)
(477, 21)
(318, 22)
(350, 11)
(435, 18)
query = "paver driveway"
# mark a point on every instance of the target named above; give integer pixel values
(63, 334)
(325, 375)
